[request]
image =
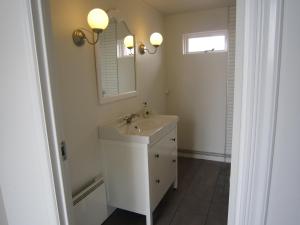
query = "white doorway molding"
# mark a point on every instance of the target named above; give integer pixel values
(256, 89)
(39, 11)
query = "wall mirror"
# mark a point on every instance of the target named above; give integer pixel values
(115, 63)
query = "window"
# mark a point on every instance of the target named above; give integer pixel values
(204, 42)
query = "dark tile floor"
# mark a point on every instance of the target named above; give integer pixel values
(201, 197)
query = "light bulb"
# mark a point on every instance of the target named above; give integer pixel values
(156, 39)
(98, 19)
(129, 42)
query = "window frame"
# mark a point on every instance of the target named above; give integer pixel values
(186, 37)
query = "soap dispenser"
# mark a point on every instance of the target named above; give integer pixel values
(146, 112)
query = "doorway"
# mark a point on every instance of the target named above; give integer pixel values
(238, 169)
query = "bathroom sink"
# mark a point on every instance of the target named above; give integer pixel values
(141, 130)
(143, 126)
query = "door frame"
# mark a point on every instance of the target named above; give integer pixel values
(258, 42)
(258, 50)
(39, 12)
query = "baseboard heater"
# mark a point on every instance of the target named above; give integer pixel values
(90, 205)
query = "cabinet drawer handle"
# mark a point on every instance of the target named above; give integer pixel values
(173, 139)
(157, 181)
(156, 155)
(174, 160)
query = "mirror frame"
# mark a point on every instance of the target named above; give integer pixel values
(121, 96)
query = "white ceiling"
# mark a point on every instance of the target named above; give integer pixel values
(178, 6)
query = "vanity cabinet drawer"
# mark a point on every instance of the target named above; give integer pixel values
(162, 166)
(167, 144)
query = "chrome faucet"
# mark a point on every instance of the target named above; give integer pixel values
(128, 119)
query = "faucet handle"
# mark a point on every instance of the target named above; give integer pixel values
(135, 115)
(128, 118)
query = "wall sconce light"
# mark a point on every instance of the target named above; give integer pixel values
(98, 20)
(129, 42)
(155, 39)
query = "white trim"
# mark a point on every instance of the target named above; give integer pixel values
(30, 10)
(125, 95)
(40, 16)
(257, 67)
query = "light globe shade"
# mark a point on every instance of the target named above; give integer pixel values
(129, 42)
(98, 19)
(156, 39)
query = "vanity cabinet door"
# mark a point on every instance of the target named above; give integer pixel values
(162, 170)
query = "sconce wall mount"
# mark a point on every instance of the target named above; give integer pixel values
(143, 49)
(79, 36)
(156, 40)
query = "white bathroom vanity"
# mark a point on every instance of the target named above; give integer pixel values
(140, 162)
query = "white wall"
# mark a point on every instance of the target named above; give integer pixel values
(76, 78)
(284, 204)
(197, 82)
(26, 183)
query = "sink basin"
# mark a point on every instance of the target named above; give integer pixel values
(147, 124)
(143, 126)
(141, 130)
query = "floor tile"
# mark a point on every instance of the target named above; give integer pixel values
(189, 219)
